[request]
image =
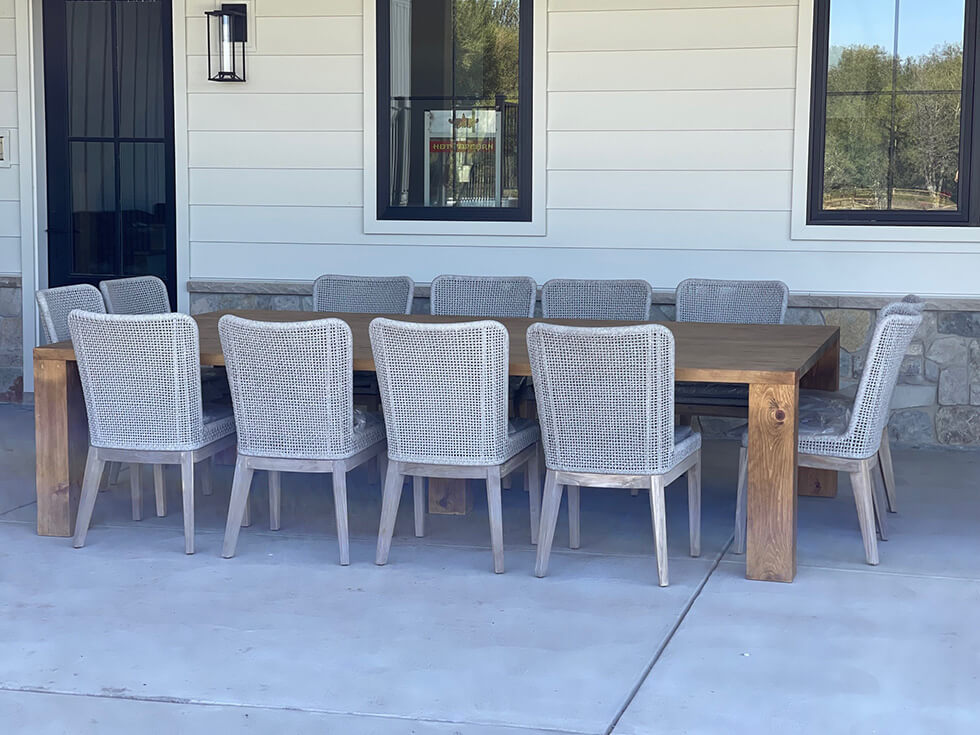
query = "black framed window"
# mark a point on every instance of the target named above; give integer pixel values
(893, 127)
(454, 110)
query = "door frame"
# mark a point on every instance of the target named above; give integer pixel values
(32, 147)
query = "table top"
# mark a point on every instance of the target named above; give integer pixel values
(716, 353)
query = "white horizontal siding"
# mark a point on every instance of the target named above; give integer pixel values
(10, 242)
(10, 255)
(8, 45)
(8, 73)
(669, 154)
(8, 109)
(10, 184)
(10, 219)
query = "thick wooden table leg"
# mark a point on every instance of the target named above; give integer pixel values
(61, 434)
(825, 375)
(450, 497)
(773, 427)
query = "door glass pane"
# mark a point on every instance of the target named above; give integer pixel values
(93, 207)
(454, 103)
(139, 37)
(143, 205)
(894, 90)
(89, 26)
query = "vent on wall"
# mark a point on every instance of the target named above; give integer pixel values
(6, 148)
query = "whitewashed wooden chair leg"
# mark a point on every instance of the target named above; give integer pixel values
(887, 470)
(861, 483)
(694, 505)
(878, 498)
(659, 517)
(90, 490)
(574, 517)
(382, 469)
(389, 511)
(419, 501)
(136, 492)
(159, 489)
(114, 469)
(247, 513)
(741, 500)
(240, 486)
(207, 479)
(340, 511)
(495, 508)
(187, 492)
(275, 499)
(532, 478)
(550, 503)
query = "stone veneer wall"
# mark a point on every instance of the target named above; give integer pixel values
(11, 341)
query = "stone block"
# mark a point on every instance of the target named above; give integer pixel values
(912, 369)
(846, 364)
(913, 396)
(949, 351)
(954, 386)
(932, 371)
(11, 301)
(11, 341)
(916, 348)
(963, 323)
(958, 425)
(804, 316)
(855, 324)
(975, 394)
(975, 359)
(911, 427)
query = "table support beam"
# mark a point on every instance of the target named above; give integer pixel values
(773, 433)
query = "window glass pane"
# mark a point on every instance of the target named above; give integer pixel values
(143, 207)
(894, 81)
(89, 68)
(93, 205)
(139, 34)
(454, 103)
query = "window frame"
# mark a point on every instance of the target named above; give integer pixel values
(384, 210)
(969, 212)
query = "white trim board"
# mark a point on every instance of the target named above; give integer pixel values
(800, 230)
(539, 142)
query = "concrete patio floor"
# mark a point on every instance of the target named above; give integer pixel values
(129, 635)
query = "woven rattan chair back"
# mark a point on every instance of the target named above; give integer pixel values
(485, 296)
(291, 386)
(55, 304)
(605, 397)
(910, 304)
(873, 400)
(731, 302)
(572, 298)
(141, 376)
(138, 295)
(364, 294)
(444, 390)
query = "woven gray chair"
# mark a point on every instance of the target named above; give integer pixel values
(55, 304)
(572, 298)
(850, 440)
(292, 389)
(444, 392)
(731, 302)
(142, 384)
(137, 295)
(606, 406)
(364, 294)
(485, 296)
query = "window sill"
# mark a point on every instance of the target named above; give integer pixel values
(883, 233)
(373, 226)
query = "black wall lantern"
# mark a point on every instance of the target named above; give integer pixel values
(227, 35)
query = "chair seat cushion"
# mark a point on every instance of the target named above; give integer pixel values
(219, 420)
(369, 429)
(686, 442)
(823, 416)
(521, 433)
(712, 394)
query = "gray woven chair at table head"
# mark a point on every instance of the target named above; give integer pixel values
(55, 304)
(487, 296)
(137, 295)
(292, 389)
(364, 294)
(732, 302)
(910, 304)
(572, 298)
(606, 406)
(444, 391)
(142, 384)
(849, 440)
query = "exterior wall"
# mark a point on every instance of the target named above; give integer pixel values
(937, 401)
(9, 176)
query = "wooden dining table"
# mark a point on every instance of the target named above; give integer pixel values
(775, 362)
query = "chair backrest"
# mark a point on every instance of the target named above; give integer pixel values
(910, 304)
(605, 397)
(444, 390)
(141, 376)
(137, 295)
(487, 296)
(732, 302)
(364, 294)
(55, 304)
(291, 386)
(572, 298)
(869, 416)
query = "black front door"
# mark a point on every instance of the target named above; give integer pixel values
(108, 90)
